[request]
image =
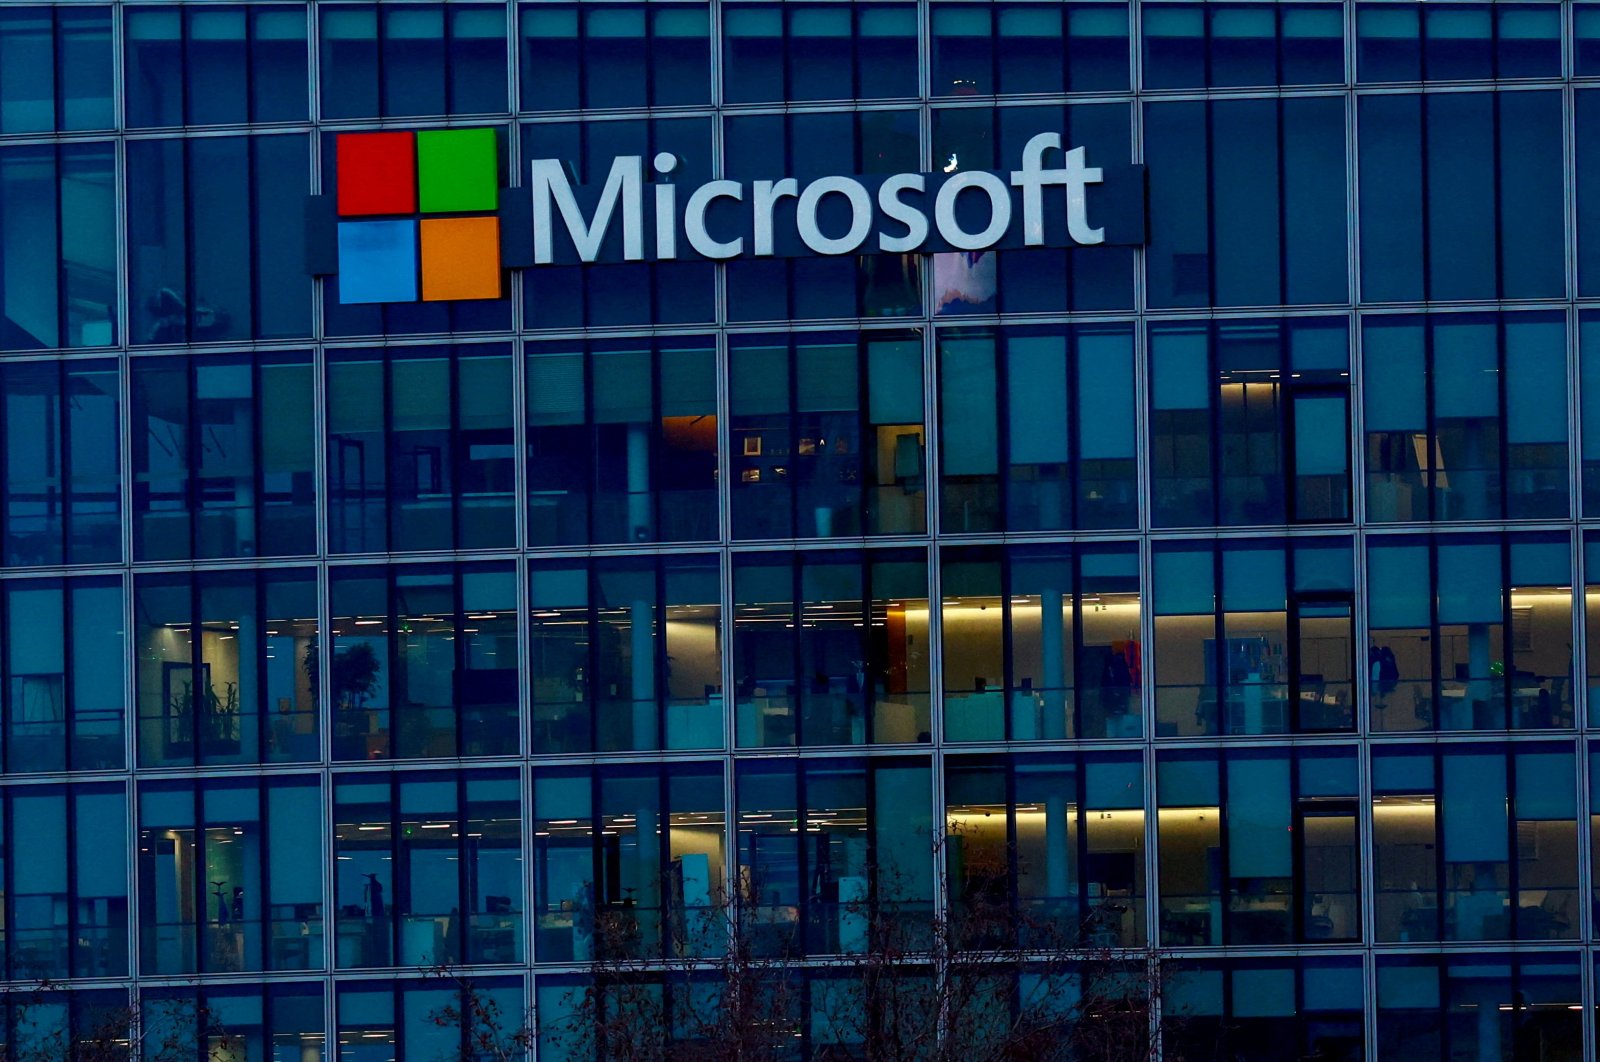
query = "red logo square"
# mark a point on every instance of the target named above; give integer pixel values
(377, 173)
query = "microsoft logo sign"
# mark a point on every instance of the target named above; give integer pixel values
(417, 216)
(420, 215)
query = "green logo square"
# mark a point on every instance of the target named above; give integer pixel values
(457, 171)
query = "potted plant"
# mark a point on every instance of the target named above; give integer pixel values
(354, 678)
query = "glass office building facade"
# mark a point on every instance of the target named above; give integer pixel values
(1234, 592)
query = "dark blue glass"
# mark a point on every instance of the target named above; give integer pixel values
(1527, 40)
(1224, 159)
(413, 56)
(243, 835)
(56, 205)
(615, 50)
(810, 414)
(1458, 42)
(278, 64)
(1244, 44)
(63, 709)
(648, 809)
(752, 55)
(223, 674)
(419, 59)
(820, 39)
(963, 50)
(1035, 428)
(1177, 257)
(598, 441)
(230, 472)
(1097, 47)
(69, 896)
(550, 57)
(201, 268)
(1029, 50)
(57, 74)
(1315, 207)
(1311, 44)
(1586, 148)
(419, 449)
(1249, 422)
(215, 65)
(1530, 195)
(1312, 1006)
(1246, 234)
(631, 55)
(1420, 996)
(1585, 40)
(818, 52)
(348, 73)
(1174, 38)
(477, 59)
(1460, 191)
(886, 50)
(1392, 214)
(153, 50)
(220, 301)
(680, 56)
(1388, 42)
(27, 79)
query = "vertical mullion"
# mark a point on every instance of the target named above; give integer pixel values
(798, 697)
(1214, 423)
(258, 603)
(1224, 894)
(257, 480)
(69, 682)
(196, 670)
(69, 814)
(1073, 695)
(458, 650)
(6, 701)
(1279, 106)
(464, 874)
(196, 788)
(386, 375)
(1502, 451)
(263, 884)
(1008, 679)
(1219, 633)
(659, 666)
(1437, 758)
(1074, 416)
(868, 698)
(1436, 661)
(1297, 848)
(1508, 721)
(8, 902)
(193, 429)
(591, 577)
(1513, 868)
(458, 515)
(655, 459)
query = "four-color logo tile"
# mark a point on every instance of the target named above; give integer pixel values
(447, 172)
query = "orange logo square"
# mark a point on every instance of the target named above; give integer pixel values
(460, 258)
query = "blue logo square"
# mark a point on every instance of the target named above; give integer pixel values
(377, 261)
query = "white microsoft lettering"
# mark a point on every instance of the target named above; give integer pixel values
(860, 215)
(895, 206)
(624, 182)
(915, 221)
